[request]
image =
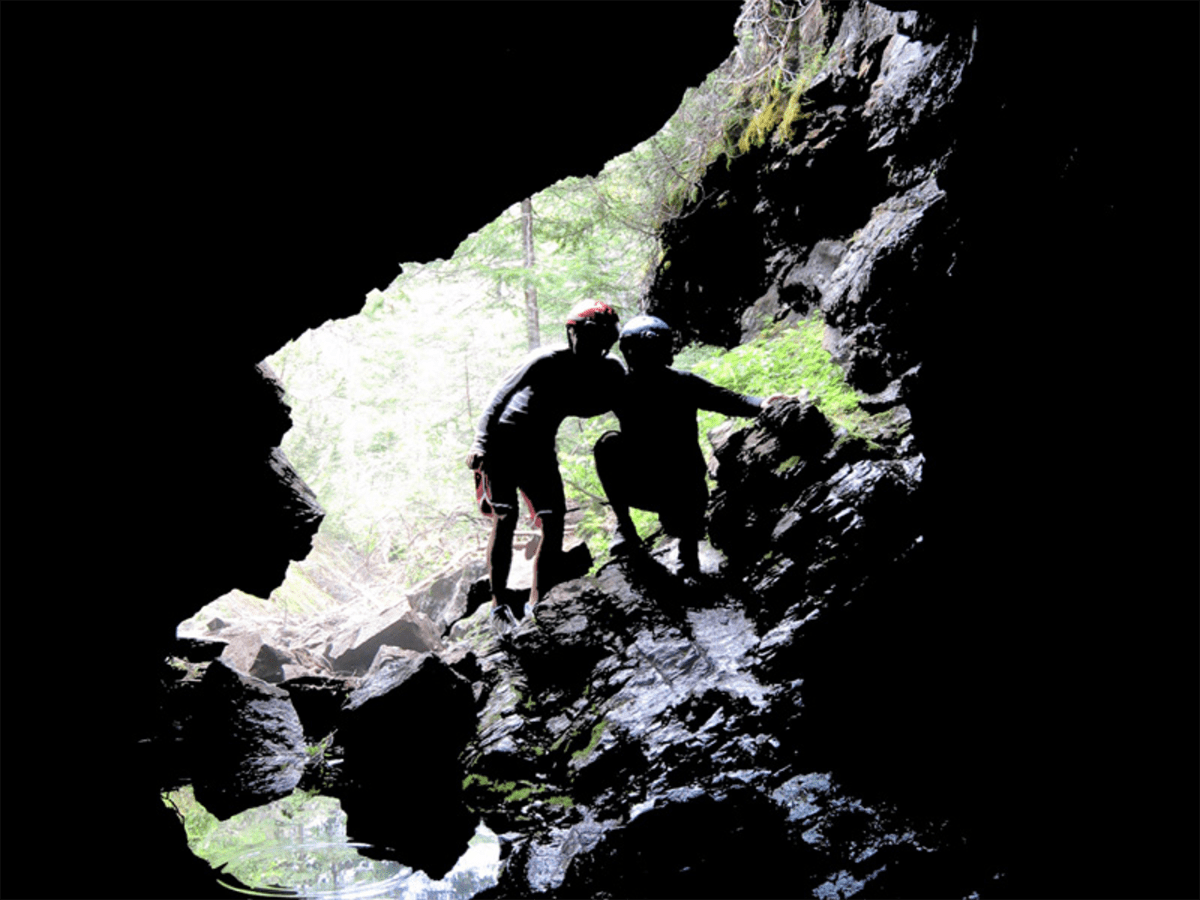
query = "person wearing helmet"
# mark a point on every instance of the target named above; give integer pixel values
(655, 462)
(514, 449)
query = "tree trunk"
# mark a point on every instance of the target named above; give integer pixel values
(531, 307)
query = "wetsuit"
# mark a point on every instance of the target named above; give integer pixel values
(655, 461)
(516, 432)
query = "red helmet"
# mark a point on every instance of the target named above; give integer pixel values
(595, 312)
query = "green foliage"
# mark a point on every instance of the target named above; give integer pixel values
(787, 360)
(197, 821)
(780, 106)
(496, 787)
(588, 244)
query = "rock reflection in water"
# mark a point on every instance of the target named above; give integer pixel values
(299, 846)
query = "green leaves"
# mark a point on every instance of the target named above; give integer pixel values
(787, 360)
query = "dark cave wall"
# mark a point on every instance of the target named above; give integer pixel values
(987, 648)
(184, 209)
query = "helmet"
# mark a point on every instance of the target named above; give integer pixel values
(594, 323)
(647, 340)
(595, 312)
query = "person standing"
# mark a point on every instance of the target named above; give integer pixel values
(514, 449)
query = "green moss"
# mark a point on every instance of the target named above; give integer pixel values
(786, 464)
(597, 732)
(504, 791)
(499, 787)
(197, 821)
(523, 793)
(779, 105)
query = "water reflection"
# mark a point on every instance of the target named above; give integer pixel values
(299, 847)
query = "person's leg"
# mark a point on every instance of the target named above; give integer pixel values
(549, 556)
(612, 466)
(500, 492)
(689, 554)
(543, 488)
(683, 515)
(499, 552)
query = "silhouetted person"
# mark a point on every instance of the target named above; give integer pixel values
(655, 462)
(514, 446)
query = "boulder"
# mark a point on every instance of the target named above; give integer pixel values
(244, 741)
(353, 652)
(402, 732)
(250, 655)
(446, 601)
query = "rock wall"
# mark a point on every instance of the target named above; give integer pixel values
(883, 691)
(868, 700)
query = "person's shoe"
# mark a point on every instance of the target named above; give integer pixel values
(501, 619)
(507, 612)
(624, 541)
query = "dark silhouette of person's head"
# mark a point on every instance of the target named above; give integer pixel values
(647, 343)
(591, 329)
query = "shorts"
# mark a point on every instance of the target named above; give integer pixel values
(534, 476)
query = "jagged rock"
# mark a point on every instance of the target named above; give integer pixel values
(761, 469)
(353, 652)
(294, 493)
(448, 599)
(248, 654)
(245, 742)
(401, 732)
(612, 721)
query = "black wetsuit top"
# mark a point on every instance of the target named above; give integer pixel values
(657, 410)
(547, 386)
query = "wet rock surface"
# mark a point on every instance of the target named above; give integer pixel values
(244, 742)
(646, 735)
